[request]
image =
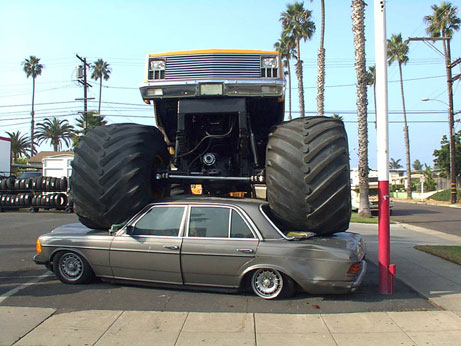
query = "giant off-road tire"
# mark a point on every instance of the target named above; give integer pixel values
(307, 175)
(113, 173)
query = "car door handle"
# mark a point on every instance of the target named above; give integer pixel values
(171, 247)
(246, 250)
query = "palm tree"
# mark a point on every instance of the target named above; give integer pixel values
(85, 125)
(19, 144)
(56, 131)
(337, 117)
(443, 23)
(397, 50)
(286, 48)
(321, 65)
(371, 81)
(32, 67)
(394, 164)
(101, 70)
(358, 28)
(297, 25)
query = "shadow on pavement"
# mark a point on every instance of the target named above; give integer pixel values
(99, 295)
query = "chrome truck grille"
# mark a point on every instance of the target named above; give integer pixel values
(209, 66)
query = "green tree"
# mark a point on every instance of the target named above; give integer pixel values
(394, 164)
(442, 155)
(286, 47)
(371, 81)
(417, 165)
(358, 29)
(32, 67)
(429, 182)
(56, 131)
(397, 50)
(443, 23)
(19, 145)
(101, 70)
(92, 121)
(337, 117)
(298, 25)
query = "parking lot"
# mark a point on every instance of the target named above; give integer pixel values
(20, 229)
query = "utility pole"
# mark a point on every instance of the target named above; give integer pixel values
(386, 269)
(451, 119)
(85, 90)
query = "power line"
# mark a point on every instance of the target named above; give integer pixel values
(40, 104)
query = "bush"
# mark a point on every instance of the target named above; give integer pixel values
(445, 196)
(397, 187)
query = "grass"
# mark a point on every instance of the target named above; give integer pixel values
(449, 253)
(444, 196)
(357, 219)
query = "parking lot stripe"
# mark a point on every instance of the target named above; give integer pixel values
(25, 285)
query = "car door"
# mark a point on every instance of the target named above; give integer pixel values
(149, 250)
(218, 245)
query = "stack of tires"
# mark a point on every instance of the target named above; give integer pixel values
(34, 193)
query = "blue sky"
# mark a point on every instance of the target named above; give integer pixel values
(123, 32)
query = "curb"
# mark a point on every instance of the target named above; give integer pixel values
(429, 231)
(456, 205)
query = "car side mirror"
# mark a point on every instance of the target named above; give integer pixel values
(116, 227)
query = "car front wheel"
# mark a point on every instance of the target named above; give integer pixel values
(71, 268)
(271, 284)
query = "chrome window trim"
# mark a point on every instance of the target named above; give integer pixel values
(160, 205)
(229, 224)
(230, 227)
(250, 224)
(272, 223)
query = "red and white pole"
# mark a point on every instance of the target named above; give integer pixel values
(386, 270)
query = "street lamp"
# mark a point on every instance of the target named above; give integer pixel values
(453, 198)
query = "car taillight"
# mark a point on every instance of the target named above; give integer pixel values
(355, 268)
(38, 246)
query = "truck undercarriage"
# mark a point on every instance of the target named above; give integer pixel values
(219, 118)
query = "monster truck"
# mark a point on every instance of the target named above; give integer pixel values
(219, 116)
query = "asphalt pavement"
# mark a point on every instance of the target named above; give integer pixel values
(21, 229)
(438, 282)
(440, 218)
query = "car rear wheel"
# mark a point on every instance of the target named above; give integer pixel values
(71, 268)
(307, 175)
(271, 284)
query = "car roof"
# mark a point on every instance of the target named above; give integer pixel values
(200, 199)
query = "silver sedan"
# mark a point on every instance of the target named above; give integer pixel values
(231, 243)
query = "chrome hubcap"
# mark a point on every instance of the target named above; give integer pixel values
(267, 283)
(71, 267)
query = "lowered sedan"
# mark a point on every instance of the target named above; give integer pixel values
(218, 242)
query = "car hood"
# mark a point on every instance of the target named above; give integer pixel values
(77, 229)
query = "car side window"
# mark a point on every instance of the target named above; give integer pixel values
(239, 229)
(160, 221)
(209, 222)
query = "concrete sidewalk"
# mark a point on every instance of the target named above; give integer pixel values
(436, 279)
(182, 328)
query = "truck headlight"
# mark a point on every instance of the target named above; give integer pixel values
(269, 62)
(157, 65)
(157, 69)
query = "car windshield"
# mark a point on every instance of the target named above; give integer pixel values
(290, 233)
